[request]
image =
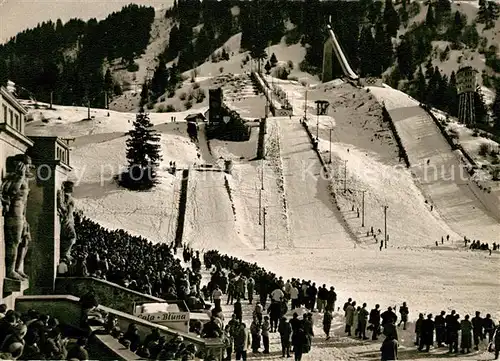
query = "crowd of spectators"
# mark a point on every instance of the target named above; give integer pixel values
(35, 336)
(132, 262)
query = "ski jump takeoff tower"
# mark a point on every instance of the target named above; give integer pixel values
(466, 88)
(332, 46)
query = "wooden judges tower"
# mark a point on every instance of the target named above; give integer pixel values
(466, 89)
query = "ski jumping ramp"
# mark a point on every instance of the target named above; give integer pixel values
(331, 46)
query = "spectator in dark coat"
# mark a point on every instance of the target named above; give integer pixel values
(131, 338)
(427, 334)
(489, 327)
(404, 312)
(496, 340)
(374, 321)
(362, 320)
(327, 323)
(477, 329)
(452, 328)
(331, 298)
(389, 349)
(211, 329)
(322, 297)
(388, 317)
(299, 341)
(78, 352)
(418, 329)
(285, 331)
(466, 330)
(450, 321)
(440, 326)
(237, 310)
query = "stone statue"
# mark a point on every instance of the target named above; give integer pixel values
(15, 189)
(66, 208)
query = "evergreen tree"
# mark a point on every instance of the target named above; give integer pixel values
(273, 60)
(144, 94)
(430, 19)
(108, 82)
(480, 109)
(452, 95)
(421, 85)
(482, 13)
(3, 72)
(429, 69)
(160, 78)
(495, 109)
(143, 154)
(391, 18)
(384, 53)
(368, 64)
(267, 67)
(405, 58)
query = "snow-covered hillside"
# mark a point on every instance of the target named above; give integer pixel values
(306, 235)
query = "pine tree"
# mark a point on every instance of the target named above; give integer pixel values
(429, 69)
(391, 18)
(430, 19)
(482, 13)
(268, 67)
(385, 54)
(143, 154)
(421, 85)
(108, 81)
(368, 63)
(144, 94)
(495, 109)
(452, 95)
(160, 78)
(273, 60)
(405, 58)
(481, 111)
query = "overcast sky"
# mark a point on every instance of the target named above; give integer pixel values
(17, 15)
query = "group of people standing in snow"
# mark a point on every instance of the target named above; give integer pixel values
(241, 280)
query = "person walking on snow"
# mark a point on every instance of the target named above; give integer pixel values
(349, 317)
(403, 311)
(217, 296)
(477, 329)
(466, 329)
(327, 323)
(374, 320)
(250, 289)
(362, 321)
(389, 349)
(285, 331)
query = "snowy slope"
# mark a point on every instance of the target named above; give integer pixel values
(444, 179)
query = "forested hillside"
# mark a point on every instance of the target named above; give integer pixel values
(68, 59)
(380, 38)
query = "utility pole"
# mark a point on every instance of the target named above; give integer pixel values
(305, 106)
(363, 210)
(262, 174)
(317, 127)
(385, 226)
(264, 226)
(345, 176)
(330, 161)
(51, 99)
(260, 206)
(88, 109)
(106, 100)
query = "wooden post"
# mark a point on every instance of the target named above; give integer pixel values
(51, 99)
(345, 176)
(330, 161)
(264, 227)
(260, 207)
(385, 226)
(363, 210)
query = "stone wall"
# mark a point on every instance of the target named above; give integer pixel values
(108, 294)
(67, 310)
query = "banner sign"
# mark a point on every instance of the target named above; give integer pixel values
(165, 317)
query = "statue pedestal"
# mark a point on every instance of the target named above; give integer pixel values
(11, 285)
(43, 252)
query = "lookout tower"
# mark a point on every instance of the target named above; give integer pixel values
(466, 88)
